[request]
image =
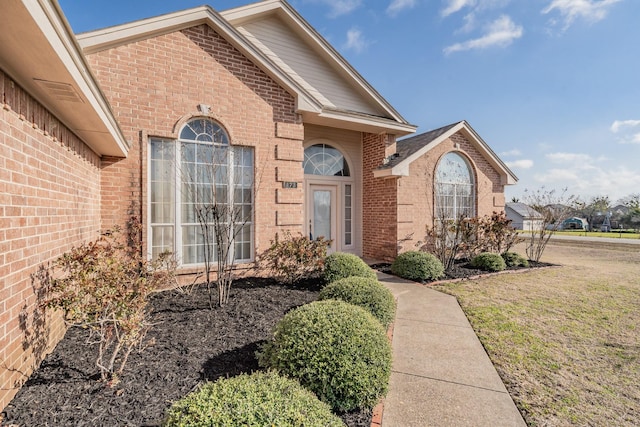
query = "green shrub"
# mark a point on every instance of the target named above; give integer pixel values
(335, 349)
(512, 259)
(417, 265)
(489, 262)
(340, 265)
(259, 399)
(366, 293)
(292, 258)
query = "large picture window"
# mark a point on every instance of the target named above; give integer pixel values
(454, 188)
(200, 172)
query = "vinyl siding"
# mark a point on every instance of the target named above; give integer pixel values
(284, 47)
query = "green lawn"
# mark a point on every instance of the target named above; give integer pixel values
(565, 340)
(624, 234)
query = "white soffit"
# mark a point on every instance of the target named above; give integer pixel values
(39, 51)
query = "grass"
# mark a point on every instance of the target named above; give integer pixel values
(614, 234)
(565, 340)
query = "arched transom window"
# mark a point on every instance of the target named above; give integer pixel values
(454, 188)
(322, 159)
(200, 172)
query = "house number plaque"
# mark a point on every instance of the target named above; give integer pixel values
(289, 184)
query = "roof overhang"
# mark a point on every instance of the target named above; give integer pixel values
(402, 169)
(39, 51)
(358, 122)
(306, 32)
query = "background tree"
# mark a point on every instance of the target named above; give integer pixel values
(555, 207)
(591, 210)
(632, 218)
(632, 200)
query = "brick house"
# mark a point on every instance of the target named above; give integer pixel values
(102, 125)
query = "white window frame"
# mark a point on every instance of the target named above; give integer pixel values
(456, 210)
(178, 201)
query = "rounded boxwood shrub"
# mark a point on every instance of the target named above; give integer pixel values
(417, 265)
(512, 259)
(340, 265)
(488, 261)
(335, 349)
(259, 399)
(364, 292)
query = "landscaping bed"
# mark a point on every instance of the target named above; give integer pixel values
(188, 344)
(461, 270)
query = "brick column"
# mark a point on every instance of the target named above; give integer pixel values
(379, 204)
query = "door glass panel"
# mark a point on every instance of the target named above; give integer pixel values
(322, 214)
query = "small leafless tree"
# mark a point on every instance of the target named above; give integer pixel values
(218, 188)
(554, 207)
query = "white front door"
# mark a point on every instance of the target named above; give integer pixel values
(322, 209)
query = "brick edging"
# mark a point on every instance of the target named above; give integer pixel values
(483, 275)
(378, 410)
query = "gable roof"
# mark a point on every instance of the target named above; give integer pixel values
(40, 52)
(242, 26)
(412, 148)
(524, 210)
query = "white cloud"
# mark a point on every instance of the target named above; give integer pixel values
(589, 10)
(617, 125)
(398, 6)
(355, 40)
(593, 180)
(501, 32)
(339, 7)
(520, 164)
(625, 131)
(453, 6)
(469, 23)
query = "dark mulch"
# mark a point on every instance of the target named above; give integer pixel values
(188, 344)
(461, 270)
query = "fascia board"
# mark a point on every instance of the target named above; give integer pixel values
(50, 19)
(107, 38)
(301, 27)
(376, 124)
(508, 177)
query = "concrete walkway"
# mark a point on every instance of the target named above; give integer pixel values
(441, 374)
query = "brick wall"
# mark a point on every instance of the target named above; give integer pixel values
(49, 202)
(379, 204)
(415, 192)
(155, 85)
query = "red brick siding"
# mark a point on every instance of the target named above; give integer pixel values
(155, 85)
(415, 192)
(49, 202)
(379, 200)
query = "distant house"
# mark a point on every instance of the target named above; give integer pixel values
(523, 216)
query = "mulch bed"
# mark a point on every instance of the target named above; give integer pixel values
(188, 344)
(461, 270)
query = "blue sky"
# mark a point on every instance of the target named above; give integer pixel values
(553, 86)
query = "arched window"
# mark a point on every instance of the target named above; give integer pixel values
(322, 159)
(200, 172)
(454, 188)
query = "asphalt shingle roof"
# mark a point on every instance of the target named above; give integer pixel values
(406, 147)
(524, 210)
